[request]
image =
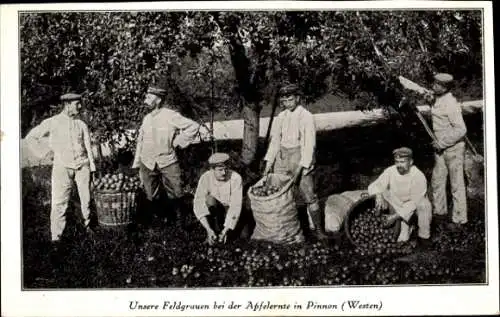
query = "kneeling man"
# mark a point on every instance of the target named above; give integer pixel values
(218, 199)
(402, 188)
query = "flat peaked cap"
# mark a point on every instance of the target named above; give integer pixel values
(443, 78)
(71, 97)
(157, 91)
(403, 152)
(289, 89)
(159, 87)
(218, 158)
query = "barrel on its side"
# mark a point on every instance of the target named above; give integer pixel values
(362, 205)
(341, 209)
(337, 207)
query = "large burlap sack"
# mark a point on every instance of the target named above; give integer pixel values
(276, 218)
(337, 207)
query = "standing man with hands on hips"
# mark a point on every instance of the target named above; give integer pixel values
(291, 151)
(162, 130)
(69, 139)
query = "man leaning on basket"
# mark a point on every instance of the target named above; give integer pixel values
(162, 130)
(218, 199)
(69, 139)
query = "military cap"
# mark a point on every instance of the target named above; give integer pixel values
(157, 91)
(218, 158)
(159, 87)
(289, 89)
(70, 97)
(443, 78)
(402, 152)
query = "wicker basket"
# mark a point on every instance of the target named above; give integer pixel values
(115, 208)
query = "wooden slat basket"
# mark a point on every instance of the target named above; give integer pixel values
(115, 208)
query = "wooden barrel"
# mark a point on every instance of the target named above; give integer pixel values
(364, 203)
(338, 206)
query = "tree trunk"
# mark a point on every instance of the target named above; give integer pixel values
(251, 120)
(273, 112)
(248, 91)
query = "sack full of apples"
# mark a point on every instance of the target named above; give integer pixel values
(265, 190)
(274, 210)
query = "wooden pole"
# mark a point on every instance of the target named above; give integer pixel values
(212, 140)
(273, 111)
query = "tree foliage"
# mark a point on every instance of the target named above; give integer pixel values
(216, 60)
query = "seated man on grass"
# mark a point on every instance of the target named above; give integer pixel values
(218, 199)
(402, 188)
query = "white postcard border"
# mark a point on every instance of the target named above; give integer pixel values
(396, 300)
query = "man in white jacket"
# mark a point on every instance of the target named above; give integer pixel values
(450, 130)
(402, 188)
(69, 139)
(291, 151)
(218, 199)
(162, 130)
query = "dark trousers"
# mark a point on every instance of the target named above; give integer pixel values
(157, 201)
(217, 217)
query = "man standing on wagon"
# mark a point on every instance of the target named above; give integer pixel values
(69, 139)
(162, 130)
(291, 151)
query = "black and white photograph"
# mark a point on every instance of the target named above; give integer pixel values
(207, 152)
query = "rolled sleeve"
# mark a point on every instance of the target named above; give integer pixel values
(308, 145)
(188, 130)
(235, 203)
(200, 208)
(37, 133)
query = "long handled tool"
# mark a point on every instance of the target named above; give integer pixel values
(415, 87)
(424, 123)
(384, 62)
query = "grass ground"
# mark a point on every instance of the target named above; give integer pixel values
(166, 256)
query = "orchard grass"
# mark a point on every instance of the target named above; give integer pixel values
(166, 256)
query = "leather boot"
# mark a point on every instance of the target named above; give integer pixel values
(177, 214)
(319, 229)
(180, 220)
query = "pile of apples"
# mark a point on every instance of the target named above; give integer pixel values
(117, 182)
(265, 190)
(370, 235)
